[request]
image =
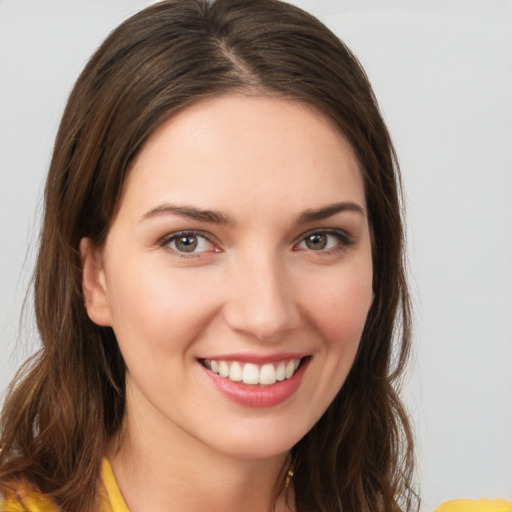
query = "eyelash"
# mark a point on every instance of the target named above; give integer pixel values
(342, 238)
(343, 241)
(169, 239)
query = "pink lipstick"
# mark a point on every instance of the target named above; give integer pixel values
(248, 383)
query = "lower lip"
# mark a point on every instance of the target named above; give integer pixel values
(258, 396)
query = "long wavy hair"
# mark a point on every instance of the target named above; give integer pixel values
(68, 400)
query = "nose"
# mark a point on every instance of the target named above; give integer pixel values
(261, 300)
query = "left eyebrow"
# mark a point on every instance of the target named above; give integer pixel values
(330, 210)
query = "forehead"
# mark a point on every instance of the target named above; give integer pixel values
(253, 150)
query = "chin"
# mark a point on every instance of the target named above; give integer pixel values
(266, 441)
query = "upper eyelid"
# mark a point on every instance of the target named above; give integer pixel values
(327, 231)
(185, 232)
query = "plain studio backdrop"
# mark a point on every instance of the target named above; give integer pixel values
(442, 72)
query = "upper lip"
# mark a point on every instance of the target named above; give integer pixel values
(258, 359)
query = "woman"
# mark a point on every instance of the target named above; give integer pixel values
(220, 290)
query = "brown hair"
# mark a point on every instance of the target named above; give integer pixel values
(69, 399)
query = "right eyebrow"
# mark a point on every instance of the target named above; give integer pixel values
(190, 212)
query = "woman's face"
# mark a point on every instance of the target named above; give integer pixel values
(237, 275)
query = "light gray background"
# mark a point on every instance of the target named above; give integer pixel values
(442, 71)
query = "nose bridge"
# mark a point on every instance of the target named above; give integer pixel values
(261, 302)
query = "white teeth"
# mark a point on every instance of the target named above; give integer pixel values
(280, 371)
(267, 375)
(290, 368)
(235, 372)
(223, 369)
(252, 374)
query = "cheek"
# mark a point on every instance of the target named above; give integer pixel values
(153, 306)
(340, 310)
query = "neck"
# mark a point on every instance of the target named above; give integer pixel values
(167, 469)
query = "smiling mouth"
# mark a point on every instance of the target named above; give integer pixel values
(253, 374)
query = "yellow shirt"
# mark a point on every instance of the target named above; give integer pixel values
(111, 500)
(482, 505)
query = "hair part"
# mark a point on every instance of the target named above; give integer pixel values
(68, 401)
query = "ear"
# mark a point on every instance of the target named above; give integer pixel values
(94, 284)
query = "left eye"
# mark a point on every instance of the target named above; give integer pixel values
(320, 241)
(188, 243)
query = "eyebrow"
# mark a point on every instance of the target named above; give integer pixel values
(330, 210)
(216, 217)
(189, 212)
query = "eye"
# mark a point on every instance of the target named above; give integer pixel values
(188, 243)
(325, 241)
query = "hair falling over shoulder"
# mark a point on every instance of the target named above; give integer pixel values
(68, 399)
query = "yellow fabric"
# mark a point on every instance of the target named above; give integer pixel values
(111, 497)
(111, 500)
(482, 505)
(29, 500)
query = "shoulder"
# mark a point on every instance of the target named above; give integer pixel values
(482, 505)
(26, 499)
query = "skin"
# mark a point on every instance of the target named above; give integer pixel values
(253, 287)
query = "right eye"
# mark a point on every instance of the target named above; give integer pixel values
(188, 243)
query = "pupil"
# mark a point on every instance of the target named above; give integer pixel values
(186, 243)
(316, 242)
